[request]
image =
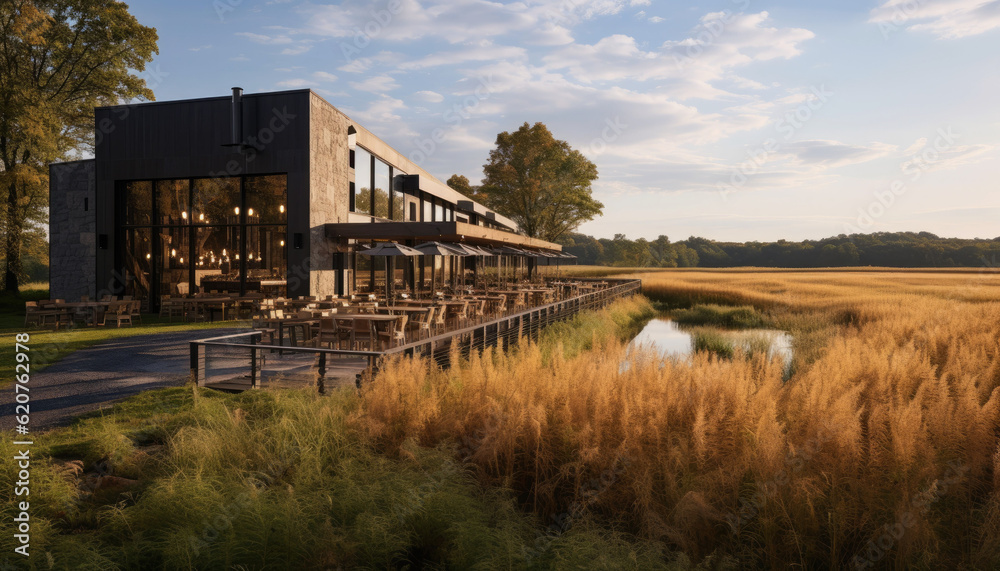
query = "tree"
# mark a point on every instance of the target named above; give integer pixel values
(58, 60)
(539, 182)
(461, 184)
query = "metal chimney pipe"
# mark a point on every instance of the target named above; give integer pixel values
(237, 109)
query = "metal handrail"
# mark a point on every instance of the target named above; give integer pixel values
(528, 322)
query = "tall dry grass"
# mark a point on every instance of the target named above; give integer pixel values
(881, 450)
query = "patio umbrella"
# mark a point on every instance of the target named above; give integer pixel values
(478, 253)
(390, 250)
(466, 251)
(438, 249)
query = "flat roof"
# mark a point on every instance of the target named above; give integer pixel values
(439, 231)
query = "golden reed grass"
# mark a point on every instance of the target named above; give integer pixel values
(881, 450)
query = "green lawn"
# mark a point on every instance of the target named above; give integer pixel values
(48, 346)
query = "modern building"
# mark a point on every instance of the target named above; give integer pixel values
(267, 192)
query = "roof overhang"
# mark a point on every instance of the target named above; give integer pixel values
(439, 231)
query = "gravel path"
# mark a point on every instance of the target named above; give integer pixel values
(90, 378)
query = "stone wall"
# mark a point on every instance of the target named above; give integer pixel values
(72, 238)
(329, 189)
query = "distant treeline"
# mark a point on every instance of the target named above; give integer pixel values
(890, 249)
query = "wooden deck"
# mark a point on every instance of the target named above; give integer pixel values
(240, 362)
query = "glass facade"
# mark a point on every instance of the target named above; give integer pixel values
(381, 192)
(210, 234)
(362, 181)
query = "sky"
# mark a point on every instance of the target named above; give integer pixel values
(733, 120)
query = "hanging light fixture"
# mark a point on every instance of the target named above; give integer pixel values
(281, 208)
(249, 212)
(184, 215)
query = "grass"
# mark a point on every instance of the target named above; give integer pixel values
(288, 479)
(713, 342)
(742, 317)
(891, 416)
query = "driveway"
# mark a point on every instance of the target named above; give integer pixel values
(90, 378)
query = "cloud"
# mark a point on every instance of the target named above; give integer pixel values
(656, 19)
(429, 96)
(375, 84)
(483, 50)
(318, 77)
(263, 39)
(931, 159)
(947, 19)
(831, 154)
(299, 49)
(720, 43)
(454, 21)
(324, 76)
(199, 48)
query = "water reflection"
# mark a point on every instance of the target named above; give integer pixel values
(671, 340)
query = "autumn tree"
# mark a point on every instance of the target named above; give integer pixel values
(58, 60)
(539, 182)
(461, 184)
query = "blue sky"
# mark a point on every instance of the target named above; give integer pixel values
(728, 119)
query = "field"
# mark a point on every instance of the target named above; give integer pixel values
(880, 450)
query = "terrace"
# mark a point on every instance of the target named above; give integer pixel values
(311, 342)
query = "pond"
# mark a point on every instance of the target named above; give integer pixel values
(674, 340)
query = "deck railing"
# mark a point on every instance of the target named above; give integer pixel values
(243, 355)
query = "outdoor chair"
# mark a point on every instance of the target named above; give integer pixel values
(421, 323)
(456, 316)
(193, 311)
(439, 322)
(363, 333)
(388, 334)
(135, 311)
(32, 315)
(118, 312)
(344, 331)
(327, 333)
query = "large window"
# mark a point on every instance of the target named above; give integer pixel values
(381, 191)
(222, 234)
(362, 181)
